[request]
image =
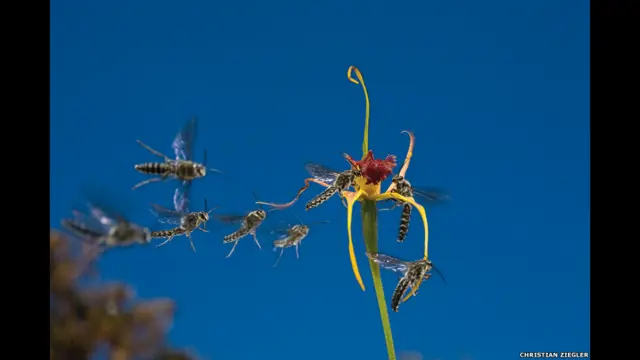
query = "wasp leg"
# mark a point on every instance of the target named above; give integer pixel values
(233, 248)
(154, 152)
(297, 253)
(202, 229)
(147, 182)
(279, 256)
(162, 177)
(255, 238)
(193, 247)
(166, 241)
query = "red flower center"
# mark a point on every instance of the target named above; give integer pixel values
(374, 170)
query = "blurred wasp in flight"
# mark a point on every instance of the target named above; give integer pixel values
(186, 222)
(292, 236)
(183, 167)
(413, 273)
(249, 224)
(404, 188)
(105, 230)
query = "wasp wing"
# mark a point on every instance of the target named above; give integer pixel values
(102, 217)
(229, 218)
(184, 141)
(282, 233)
(439, 273)
(430, 194)
(322, 173)
(165, 215)
(388, 262)
(84, 228)
(181, 197)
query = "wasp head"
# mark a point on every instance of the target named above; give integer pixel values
(200, 170)
(203, 216)
(301, 229)
(397, 178)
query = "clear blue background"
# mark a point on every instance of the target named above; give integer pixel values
(497, 93)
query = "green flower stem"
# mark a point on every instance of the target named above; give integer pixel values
(370, 232)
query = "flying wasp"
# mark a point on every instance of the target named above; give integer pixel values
(106, 230)
(249, 224)
(183, 167)
(338, 182)
(404, 188)
(292, 236)
(413, 273)
(185, 221)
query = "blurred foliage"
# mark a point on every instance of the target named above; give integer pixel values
(103, 321)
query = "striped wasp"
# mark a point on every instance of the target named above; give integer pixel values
(404, 188)
(182, 167)
(104, 229)
(184, 220)
(337, 181)
(249, 224)
(292, 236)
(413, 273)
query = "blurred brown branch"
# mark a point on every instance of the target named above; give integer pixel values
(104, 320)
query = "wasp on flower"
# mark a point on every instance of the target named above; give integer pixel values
(365, 177)
(362, 182)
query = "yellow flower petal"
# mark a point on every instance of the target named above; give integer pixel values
(351, 199)
(421, 210)
(365, 142)
(407, 159)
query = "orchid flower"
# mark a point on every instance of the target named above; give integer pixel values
(367, 190)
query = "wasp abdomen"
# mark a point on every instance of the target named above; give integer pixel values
(236, 235)
(396, 298)
(321, 198)
(166, 233)
(154, 168)
(405, 218)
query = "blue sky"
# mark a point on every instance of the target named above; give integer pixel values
(496, 92)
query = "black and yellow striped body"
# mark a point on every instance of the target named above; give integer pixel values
(181, 169)
(167, 233)
(342, 183)
(249, 225)
(416, 273)
(405, 219)
(321, 198)
(156, 168)
(396, 298)
(236, 235)
(403, 187)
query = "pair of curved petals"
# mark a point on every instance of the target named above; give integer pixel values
(352, 198)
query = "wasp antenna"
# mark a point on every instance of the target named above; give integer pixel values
(255, 196)
(439, 273)
(298, 217)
